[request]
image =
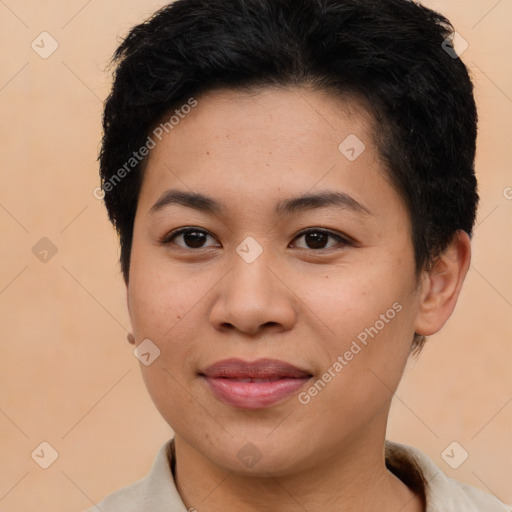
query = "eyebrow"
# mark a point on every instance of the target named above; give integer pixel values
(302, 203)
(320, 200)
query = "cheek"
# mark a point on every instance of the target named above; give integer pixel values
(369, 329)
(161, 296)
(162, 310)
(169, 306)
(361, 365)
(347, 301)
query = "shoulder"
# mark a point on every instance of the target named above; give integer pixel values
(467, 496)
(444, 494)
(127, 499)
(156, 492)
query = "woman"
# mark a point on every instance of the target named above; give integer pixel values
(293, 186)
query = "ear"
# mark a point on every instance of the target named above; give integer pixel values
(129, 336)
(441, 286)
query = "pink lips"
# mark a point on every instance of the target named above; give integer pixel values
(254, 385)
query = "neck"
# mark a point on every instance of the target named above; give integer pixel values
(355, 479)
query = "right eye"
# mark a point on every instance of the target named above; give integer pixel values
(192, 238)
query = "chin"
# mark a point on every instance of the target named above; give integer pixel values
(257, 456)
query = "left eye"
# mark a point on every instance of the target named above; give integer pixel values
(318, 239)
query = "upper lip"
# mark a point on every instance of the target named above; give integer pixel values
(260, 369)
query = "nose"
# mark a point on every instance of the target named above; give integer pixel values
(254, 298)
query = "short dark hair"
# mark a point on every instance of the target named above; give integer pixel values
(391, 55)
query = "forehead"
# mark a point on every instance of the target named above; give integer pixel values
(282, 119)
(253, 147)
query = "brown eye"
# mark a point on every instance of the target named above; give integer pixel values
(317, 239)
(191, 238)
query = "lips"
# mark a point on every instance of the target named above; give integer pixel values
(254, 385)
(260, 369)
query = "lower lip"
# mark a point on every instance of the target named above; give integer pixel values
(254, 395)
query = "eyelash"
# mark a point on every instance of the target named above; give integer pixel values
(342, 241)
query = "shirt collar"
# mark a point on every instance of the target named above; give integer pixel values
(442, 493)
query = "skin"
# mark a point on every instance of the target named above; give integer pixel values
(295, 302)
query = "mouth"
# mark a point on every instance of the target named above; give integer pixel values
(254, 385)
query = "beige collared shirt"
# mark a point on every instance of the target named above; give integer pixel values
(157, 491)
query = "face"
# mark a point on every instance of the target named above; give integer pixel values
(324, 287)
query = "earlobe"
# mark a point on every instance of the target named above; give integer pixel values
(129, 336)
(441, 285)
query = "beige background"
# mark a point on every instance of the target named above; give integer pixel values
(69, 378)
